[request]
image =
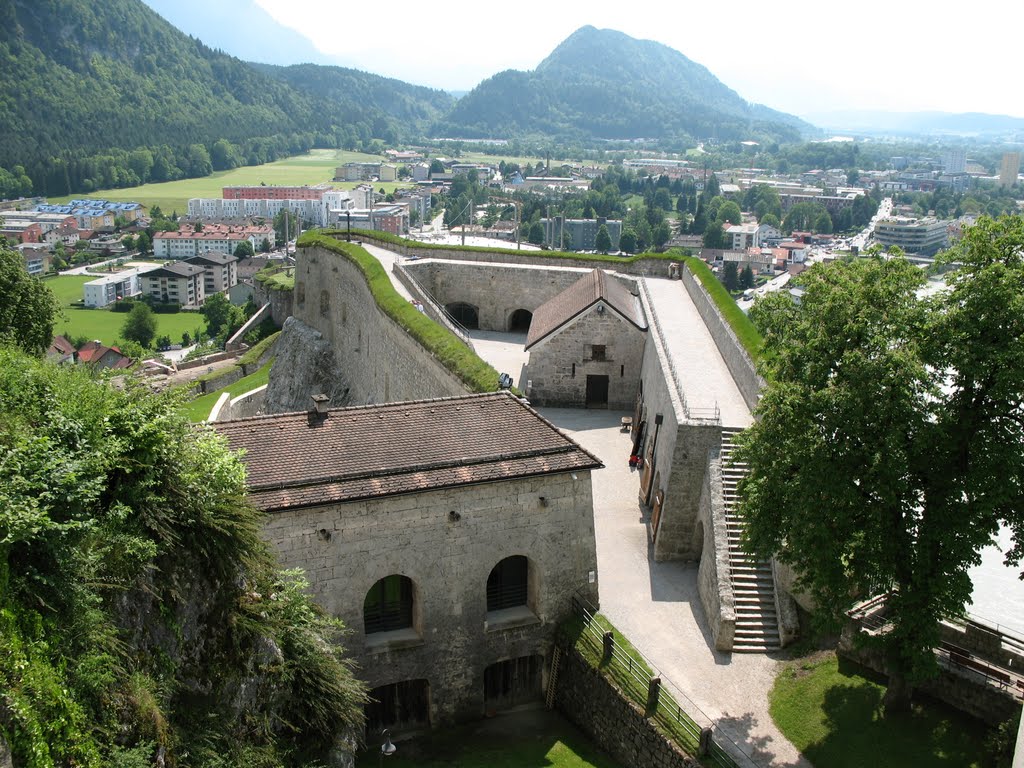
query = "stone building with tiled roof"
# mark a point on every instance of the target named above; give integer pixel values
(586, 345)
(448, 534)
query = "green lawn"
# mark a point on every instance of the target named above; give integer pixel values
(315, 167)
(200, 408)
(832, 713)
(104, 325)
(531, 739)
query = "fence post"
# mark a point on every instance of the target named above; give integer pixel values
(704, 746)
(609, 645)
(653, 694)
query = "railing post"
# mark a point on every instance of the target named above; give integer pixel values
(704, 746)
(653, 694)
(609, 645)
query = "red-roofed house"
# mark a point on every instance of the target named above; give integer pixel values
(99, 355)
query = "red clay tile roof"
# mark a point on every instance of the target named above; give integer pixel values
(300, 460)
(61, 346)
(580, 296)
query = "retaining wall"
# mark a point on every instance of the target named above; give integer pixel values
(713, 582)
(617, 725)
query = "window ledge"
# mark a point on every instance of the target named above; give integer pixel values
(395, 640)
(510, 618)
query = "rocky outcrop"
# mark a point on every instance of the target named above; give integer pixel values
(305, 366)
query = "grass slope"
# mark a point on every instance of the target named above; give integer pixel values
(104, 325)
(197, 410)
(832, 713)
(316, 167)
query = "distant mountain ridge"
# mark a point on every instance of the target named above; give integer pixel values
(920, 123)
(604, 84)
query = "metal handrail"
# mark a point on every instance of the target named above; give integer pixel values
(669, 707)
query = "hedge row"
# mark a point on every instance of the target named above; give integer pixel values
(450, 351)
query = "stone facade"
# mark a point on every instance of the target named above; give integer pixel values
(617, 725)
(713, 582)
(380, 361)
(559, 365)
(495, 290)
(447, 542)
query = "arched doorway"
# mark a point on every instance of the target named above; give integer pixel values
(519, 321)
(466, 315)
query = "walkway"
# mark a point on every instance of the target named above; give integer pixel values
(702, 372)
(657, 604)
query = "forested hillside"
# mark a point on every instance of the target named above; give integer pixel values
(108, 94)
(605, 84)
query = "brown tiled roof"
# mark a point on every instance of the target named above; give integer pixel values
(299, 459)
(580, 296)
(61, 346)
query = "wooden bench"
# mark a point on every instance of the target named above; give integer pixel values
(963, 658)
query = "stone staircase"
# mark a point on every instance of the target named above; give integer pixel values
(757, 621)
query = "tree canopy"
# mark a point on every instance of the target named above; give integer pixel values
(28, 309)
(887, 449)
(140, 325)
(139, 601)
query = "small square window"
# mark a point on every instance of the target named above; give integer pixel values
(597, 352)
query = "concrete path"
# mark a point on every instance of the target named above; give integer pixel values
(657, 604)
(705, 379)
(658, 607)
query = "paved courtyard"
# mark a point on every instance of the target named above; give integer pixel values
(656, 604)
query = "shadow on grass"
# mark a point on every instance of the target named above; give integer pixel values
(522, 739)
(848, 700)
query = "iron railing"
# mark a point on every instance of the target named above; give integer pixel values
(675, 714)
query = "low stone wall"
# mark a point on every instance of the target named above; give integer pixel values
(713, 582)
(224, 378)
(242, 407)
(280, 302)
(652, 267)
(617, 725)
(214, 358)
(966, 692)
(982, 640)
(236, 341)
(736, 358)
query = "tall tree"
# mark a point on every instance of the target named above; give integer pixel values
(28, 309)
(140, 325)
(886, 452)
(603, 241)
(747, 277)
(730, 276)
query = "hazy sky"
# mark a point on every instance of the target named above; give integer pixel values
(798, 56)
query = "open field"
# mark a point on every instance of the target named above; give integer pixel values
(104, 325)
(832, 713)
(316, 167)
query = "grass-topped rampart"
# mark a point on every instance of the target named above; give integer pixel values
(445, 346)
(736, 318)
(388, 238)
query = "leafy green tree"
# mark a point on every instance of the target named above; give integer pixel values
(712, 188)
(714, 236)
(730, 276)
(110, 502)
(771, 220)
(536, 233)
(603, 241)
(28, 309)
(144, 242)
(285, 220)
(823, 223)
(886, 452)
(140, 326)
(265, 246)
(747, 277)
(244, 250)
(217, 311)
(662, 234)
(728, 213)
(627, 241)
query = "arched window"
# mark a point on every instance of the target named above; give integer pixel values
(389, 605)
(466, 315)
(507, 586)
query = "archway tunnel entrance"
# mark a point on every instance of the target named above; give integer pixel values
(466, 315)
(519, 321)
